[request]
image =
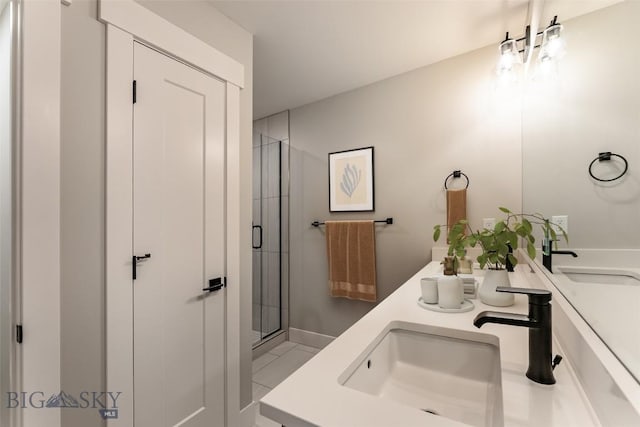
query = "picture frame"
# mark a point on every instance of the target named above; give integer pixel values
(351, 181)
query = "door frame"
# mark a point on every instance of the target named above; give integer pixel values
(128, 22)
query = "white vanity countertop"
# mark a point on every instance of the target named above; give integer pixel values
(313, 396)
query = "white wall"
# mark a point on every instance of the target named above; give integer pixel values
(83, 185)
(5, 201)
(40, 205)
(591, 106)
(83, 206)
(423, 125)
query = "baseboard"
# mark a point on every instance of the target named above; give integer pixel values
(312, 339)
(248, 414)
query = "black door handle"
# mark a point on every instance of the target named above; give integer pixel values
(216, 284)
(259, 227)
(134, 263)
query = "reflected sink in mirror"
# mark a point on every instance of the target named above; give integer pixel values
(600, 276)
(608, 299)
(450, 373)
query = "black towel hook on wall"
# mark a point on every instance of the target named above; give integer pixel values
(456, 174)
(606, 156)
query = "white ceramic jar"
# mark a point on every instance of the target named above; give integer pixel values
(429, 288)
(450, 292)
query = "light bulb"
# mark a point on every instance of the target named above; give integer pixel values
(509, 56)
(553, 45)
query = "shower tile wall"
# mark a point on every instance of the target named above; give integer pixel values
(270, 210)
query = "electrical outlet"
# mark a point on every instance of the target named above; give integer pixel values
(562, 221)
(489, 223)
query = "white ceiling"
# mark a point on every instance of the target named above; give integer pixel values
(306, 50)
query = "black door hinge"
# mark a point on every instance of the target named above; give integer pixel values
(135, 97)
(19, 334)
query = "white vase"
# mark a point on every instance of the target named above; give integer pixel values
(488, 295)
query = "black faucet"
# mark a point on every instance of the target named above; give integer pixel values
(539, 323)
(547, 252)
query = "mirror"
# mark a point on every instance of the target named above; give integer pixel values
(591, 104)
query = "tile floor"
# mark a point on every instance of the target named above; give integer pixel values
(273, 367)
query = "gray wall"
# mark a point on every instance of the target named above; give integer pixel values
(423, 125)
(591, 105)
(83, 183)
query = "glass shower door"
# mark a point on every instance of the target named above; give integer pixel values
(266, 237)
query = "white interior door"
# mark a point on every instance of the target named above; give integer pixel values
(178, 199)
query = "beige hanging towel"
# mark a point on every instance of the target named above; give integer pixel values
(351, 252)
(456, 207)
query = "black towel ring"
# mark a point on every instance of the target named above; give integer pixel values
(456, 174)
(604, 157)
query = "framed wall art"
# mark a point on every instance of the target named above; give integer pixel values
(351, 186)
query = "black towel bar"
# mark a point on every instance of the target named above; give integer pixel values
(386, 221)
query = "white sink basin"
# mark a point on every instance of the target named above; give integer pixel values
(451, 373)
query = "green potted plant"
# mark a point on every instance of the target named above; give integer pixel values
(457, 247)
(497, 246)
